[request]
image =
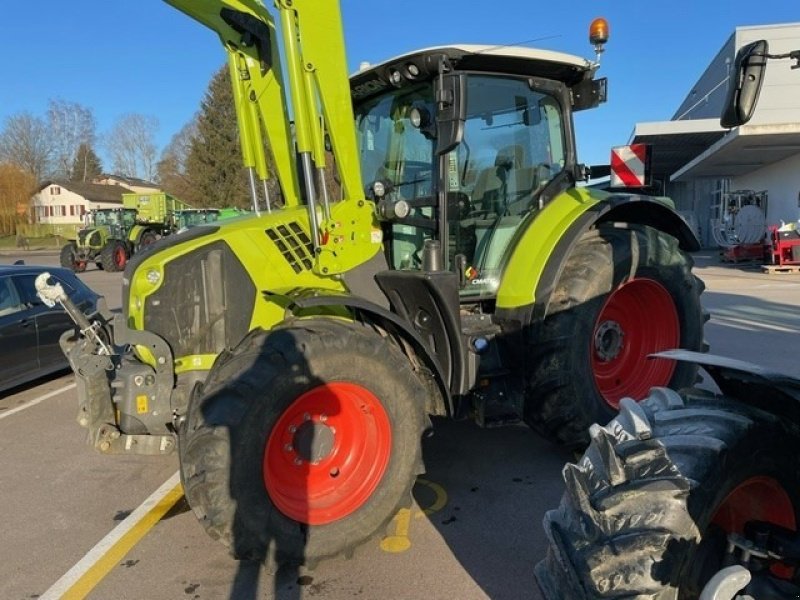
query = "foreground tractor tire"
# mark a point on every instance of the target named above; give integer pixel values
(648, 507)
(304, 442)
(114, 256)
(69, 258)
(626, 291)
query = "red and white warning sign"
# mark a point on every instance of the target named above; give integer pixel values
(630, 166)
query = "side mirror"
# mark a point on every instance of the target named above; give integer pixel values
(745, 84)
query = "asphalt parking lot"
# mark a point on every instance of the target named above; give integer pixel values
(473, 533)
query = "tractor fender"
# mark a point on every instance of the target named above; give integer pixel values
(544, 247)
(774, 392)
(441, 403)
(136, 233)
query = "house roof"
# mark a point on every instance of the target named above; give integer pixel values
(129, 180)
(94, 192)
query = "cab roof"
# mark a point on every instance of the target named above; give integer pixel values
(518, 60)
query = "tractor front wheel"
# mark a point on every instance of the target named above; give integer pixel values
(304, 442)
(114, 256)
(648, 509)
(69, 258)
(626, 292)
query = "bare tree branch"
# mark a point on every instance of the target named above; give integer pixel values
(71, 125)
(25, 142)
(131, 146)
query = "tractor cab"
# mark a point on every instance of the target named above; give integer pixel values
(117, 221)
(471, 181)
(103, 224)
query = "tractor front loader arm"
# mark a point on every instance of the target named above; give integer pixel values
(318, 97)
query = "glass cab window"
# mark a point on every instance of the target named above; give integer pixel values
(397, 152)
(513, 147)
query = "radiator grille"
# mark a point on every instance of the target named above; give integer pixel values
(294, 245)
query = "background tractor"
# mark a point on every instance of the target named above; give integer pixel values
(456, 269)
(113, 235)
(104, 240)
(690, 494)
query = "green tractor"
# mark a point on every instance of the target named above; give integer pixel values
(113, 235)
(457, 269)
(103, 241)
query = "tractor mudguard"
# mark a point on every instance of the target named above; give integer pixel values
(776, 393)
(136, 233)
(544, 247)
(315, 299)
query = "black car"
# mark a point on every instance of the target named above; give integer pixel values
(29, 330)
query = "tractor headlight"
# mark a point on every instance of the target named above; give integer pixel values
(153, 276)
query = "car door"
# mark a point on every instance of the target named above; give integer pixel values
(50, 322)
(18, 353)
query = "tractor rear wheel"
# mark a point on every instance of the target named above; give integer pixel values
(69, 258)
(647, 509)
(304, 442)
(114, 256)
(148, 238)
(626, 292)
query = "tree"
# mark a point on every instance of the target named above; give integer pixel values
(70, 125)
(214, 161)
(16, 187)
(87, 164)
(25, 143)
(172, 175)
(132, 146)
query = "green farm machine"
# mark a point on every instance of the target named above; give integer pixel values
(433, 255)
(113, 235)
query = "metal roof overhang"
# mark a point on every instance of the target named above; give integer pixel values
(742, 150)
(676, 143)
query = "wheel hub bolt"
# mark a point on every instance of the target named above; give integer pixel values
(608, 340)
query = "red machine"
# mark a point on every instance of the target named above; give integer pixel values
(785, 246)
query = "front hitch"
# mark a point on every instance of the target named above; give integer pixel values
(123, 402)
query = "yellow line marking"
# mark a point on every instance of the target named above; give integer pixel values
(79, 581)
(400, 540)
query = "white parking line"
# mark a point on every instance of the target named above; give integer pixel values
(79, 581)
(36, 401)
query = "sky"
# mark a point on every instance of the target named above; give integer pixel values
(143, 56)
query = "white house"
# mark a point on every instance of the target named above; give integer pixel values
(61, 205)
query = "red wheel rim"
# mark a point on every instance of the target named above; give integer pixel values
(120, 258)
(638, 318)
(757, 499)
(327, 453)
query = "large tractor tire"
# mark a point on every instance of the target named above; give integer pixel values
(304, 442)
(647, 509)
(625, 292)
(148, 238)
(114, 256)
(69, 258)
